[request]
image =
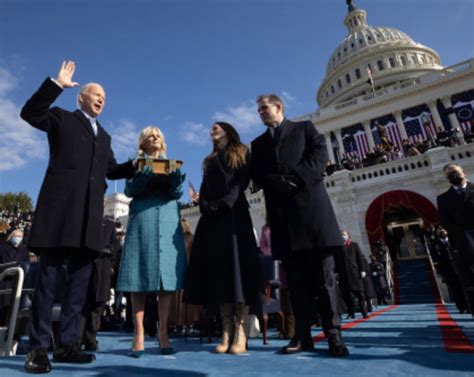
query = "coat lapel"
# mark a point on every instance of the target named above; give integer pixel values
(85, 122)
(286, 125)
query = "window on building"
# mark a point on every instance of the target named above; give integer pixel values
(352, 45)
(422, 58)
(403, 60)
(380, 65)
(332, 89)
(391, 62)
(413, 59)
(357, 73)
(348, 78)
(339, 84)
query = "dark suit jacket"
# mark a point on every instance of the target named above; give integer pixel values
(70, 205)
(303, 219)
(456, 215)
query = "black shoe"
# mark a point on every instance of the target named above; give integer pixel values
(337, 348)
(37, 361)
(365, 315)
(94, 346)
(70, 353)
(298, 345)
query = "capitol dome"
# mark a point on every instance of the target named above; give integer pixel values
(392, 56)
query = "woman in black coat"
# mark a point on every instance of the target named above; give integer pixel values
(224, 267)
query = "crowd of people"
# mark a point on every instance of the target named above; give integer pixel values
(386, 151)
(218, 266)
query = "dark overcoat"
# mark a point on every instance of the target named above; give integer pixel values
(100, 280)
(456, 215)
(377, 274)
(224, 266)
(354, 264)
(70, 205)
(303, 219)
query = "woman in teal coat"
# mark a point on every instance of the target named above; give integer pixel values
(153, 257)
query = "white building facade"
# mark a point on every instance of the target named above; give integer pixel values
(412, 95)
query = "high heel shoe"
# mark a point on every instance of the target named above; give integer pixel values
(167, 351)
(137, 353)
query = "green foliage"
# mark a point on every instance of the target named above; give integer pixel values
(13, 202)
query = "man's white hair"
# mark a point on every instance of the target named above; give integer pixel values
(84, 89)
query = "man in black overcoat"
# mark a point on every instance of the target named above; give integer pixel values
(98, 291)
(69, 210)
(456, 215)
(288, 163)
(354, 269)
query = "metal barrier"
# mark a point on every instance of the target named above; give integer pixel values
(7, 348)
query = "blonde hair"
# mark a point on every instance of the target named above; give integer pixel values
(147, 131)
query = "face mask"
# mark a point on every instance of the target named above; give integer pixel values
(345, 237)
(15, 241)
(455, 178)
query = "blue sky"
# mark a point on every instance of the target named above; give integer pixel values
(181, 65)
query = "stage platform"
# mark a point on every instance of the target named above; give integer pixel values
(404, 340)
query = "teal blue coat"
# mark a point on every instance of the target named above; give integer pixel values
(153, 256)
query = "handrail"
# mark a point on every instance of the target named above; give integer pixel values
(7, 349)
(433, 269)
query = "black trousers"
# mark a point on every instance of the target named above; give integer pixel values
(90, 322)
(78, 264)
(349, 301)
(310, 274)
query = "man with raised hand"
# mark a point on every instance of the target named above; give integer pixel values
(66, 230)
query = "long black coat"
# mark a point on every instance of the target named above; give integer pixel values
(456, 215)
(70, 205)
(354, 263)
(305, 219)
(224, 265)
(377, 274)
(100, 280)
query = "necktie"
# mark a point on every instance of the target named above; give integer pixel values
(94, 126)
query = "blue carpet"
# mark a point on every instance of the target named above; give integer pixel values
(415, 286)
(405, 341)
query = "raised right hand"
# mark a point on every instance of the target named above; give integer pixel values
(65, 75)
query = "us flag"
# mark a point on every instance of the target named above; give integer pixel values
(463, 105)
(355, 141)
(419, 124)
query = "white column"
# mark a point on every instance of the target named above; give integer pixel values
(452, 117)
(368, 132)
(339, 142)
(435, 114)
(400, 124)
(327, 136)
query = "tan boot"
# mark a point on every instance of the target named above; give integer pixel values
(239, 345)
(227, 328)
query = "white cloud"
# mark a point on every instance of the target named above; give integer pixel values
(288, 97)
(243, 117)
(19, 142)
(195, 133)
(124, 139)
